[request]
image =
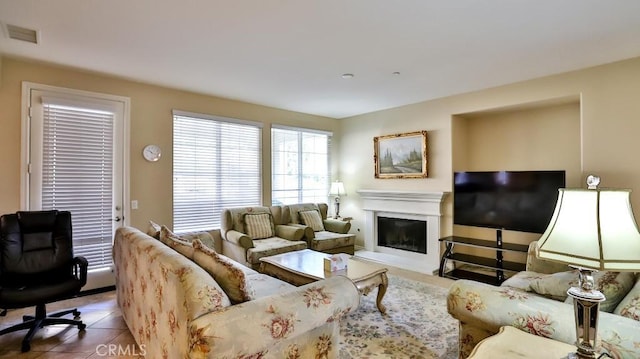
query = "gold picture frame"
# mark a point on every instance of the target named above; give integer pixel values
(403, 155)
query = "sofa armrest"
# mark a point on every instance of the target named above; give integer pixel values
(337, 226)
(255, 326)
(488, 307)
(308, 235)
(239, 239)
(292, 233)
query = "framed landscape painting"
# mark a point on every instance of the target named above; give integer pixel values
(402, 155)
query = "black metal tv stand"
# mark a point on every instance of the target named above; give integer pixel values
(497, 264)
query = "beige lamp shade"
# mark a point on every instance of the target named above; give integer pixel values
(337, 189)
(593, 228)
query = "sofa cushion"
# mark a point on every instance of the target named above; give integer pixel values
(630, 305)
(205, 237)
(295, 209)
(174, 241)
(228, 273)
(154, 230)
(312, 219)
(258, 225)
(324, 241)
(614, 285)
(272, 246)
(543, 266)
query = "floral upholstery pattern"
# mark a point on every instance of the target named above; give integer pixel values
(225, 271)
(630, 306)
(614, 285)
(277, 323)
(177, 310)
(172, 240)
(272, 246)
(482, 309)
(154, 230)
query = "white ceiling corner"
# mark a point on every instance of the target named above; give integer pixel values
(290, 54)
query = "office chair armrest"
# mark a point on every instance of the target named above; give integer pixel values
(80, 265)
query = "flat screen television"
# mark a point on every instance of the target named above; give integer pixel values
(514, 200)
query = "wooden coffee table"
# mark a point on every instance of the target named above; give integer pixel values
(307, 266)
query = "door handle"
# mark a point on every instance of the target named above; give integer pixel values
(117, 219)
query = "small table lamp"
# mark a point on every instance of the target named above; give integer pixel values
(337, 190)
(591, 229)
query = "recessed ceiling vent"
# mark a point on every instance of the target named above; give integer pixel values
(22, 34)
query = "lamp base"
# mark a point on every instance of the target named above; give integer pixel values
(586, 305)
(337, 205)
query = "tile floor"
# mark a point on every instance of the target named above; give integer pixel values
(105, 327)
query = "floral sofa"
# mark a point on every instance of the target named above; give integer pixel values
(175, 308)
(535, 301)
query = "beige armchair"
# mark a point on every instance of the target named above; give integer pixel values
(321, 233)
(250, 233)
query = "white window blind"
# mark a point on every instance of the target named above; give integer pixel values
(300, 165)
(77, 172)
(216, 165)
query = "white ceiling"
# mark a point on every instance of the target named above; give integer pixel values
(290, 54)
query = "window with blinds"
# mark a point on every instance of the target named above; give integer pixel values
(216, 165)
(77, 173)
(300, 165)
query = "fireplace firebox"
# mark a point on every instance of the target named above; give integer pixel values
(403, 234)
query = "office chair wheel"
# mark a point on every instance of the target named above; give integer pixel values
(26, 347)
(82, 326)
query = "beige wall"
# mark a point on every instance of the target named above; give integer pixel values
(608, 133)
(547, 135)
(151, 122)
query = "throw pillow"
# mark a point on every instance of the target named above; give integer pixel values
(522, 280)
(154, 230)
(555, 285)
(179, 244)
(228, 273)
(630, 305)
(259, 225)
(312, 219)
(614, 286)
(204, 237)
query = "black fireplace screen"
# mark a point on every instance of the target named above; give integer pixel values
(404, 234)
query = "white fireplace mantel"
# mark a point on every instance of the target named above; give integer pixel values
(403, 204)
(402, 201)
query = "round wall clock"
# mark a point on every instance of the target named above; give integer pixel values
(151, 153)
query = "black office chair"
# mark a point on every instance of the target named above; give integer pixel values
(37, 267)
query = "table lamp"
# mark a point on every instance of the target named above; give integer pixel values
(591, 229)
(337, 190)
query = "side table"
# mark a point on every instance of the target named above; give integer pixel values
(512, 343)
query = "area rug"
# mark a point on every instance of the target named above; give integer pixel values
(416, 325)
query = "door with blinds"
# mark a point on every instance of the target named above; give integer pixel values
(75, 163)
